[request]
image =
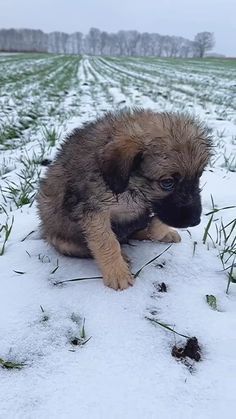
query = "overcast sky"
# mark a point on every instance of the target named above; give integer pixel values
(167, 17)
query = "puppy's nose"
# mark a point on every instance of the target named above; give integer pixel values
(195, 222)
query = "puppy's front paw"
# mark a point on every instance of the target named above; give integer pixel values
(118, 277)
(161, 232)
(172, 236)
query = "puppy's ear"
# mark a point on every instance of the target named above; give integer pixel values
(118, 160)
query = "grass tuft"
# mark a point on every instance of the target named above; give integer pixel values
(51, 135)
(225, 241)
(6, 229)
(10, 365)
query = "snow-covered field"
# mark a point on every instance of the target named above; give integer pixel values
(79, 349)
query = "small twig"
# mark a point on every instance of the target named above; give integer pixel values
(55, 269)
(19, 272)
(150, 261)
(166, 327)
(194, 247)
(26, 237)
(77, 279)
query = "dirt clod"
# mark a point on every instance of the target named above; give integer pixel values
(191, 350)
(162, 287)
(75, 341)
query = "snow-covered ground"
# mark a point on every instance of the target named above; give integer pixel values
(122, 365)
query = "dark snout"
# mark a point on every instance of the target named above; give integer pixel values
(180, 210)
(179, 216)
(186, 216)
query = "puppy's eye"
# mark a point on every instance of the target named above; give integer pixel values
(167, 184)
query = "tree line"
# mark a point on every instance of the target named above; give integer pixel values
(96, 42)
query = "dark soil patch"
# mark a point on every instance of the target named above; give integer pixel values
(162, 287)
(191, 350)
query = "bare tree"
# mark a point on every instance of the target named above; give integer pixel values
(133, 38)
(94, 41)
(204, 41)
(155, 44)
(122, 43)
(167, 46)
(57, 42)
(104, 42)
(144, 44)
(74, 43)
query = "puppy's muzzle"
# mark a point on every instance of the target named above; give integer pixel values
(178, 216)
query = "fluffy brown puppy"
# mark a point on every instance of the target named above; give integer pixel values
(130, 174)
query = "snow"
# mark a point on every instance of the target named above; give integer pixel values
(126, 369)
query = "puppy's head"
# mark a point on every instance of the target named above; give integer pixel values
(161, 157)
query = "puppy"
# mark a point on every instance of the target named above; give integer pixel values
(131, 174)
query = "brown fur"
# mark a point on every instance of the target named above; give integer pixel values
(106, 182)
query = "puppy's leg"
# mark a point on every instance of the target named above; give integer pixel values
(106, 249)
(159, 231)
